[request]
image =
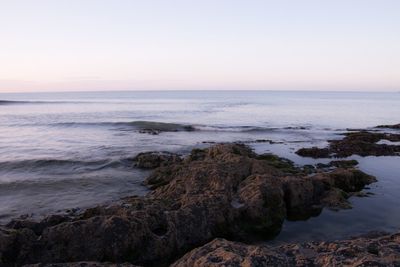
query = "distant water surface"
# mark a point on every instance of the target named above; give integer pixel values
(61, 151)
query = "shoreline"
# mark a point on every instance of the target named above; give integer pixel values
(225, 190)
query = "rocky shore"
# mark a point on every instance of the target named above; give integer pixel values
(225, 191)
(372, 250)
(363, 143)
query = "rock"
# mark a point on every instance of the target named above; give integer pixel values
(361, 143)
(221, 252)
(309, 168)
(344, 163)
(82, 264)
(282, 164)
(394, 126)
(15, 244)
(224, 191)
(151, 160)
(314, 152)
(337, 164)
(155, 128)
(150, 131)
(37, 227)
(381, 250)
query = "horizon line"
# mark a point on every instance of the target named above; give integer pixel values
(200, 90)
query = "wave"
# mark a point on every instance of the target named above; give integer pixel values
(155, 127)
(9, 102)
(136, 125)
(174, 127)
(21, 102)
(60, 166)
(158, 127)
(212, 128)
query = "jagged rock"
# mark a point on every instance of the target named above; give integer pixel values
(223, 191)
(361, 143)
(381, 250)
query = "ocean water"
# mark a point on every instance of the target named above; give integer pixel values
(61, 151)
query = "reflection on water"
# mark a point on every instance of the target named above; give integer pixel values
(378, 212)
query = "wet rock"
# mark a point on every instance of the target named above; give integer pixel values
(221, 252)
(224, 191)
(344, 163)
(15, 245)
(365, 144)
(151, 160)
(284, 165)
(150, 131)
(393, 126)
(155, 128)
(309, 169)
(337, 164)
(361, 143)
(381, 250)
(314, 152)
(82, 264)
(37, 227)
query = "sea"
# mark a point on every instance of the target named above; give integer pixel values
(66, 151)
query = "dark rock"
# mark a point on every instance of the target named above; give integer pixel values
(337, 164)
(282, 164)
(344, 163)
(150, 131)
(382, 250)
(361, 143)
(82, 264)
(151, 160)
(394, 126)
(155, 128)
(37, 227)
(308, 169)
(223, 191)
(314, 152)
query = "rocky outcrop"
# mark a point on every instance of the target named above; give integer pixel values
(223, 191)
(361, 143)
(378, 250)
(151, 160)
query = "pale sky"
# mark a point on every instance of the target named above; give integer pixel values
(63, 45)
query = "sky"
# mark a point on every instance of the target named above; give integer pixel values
(83, 45)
